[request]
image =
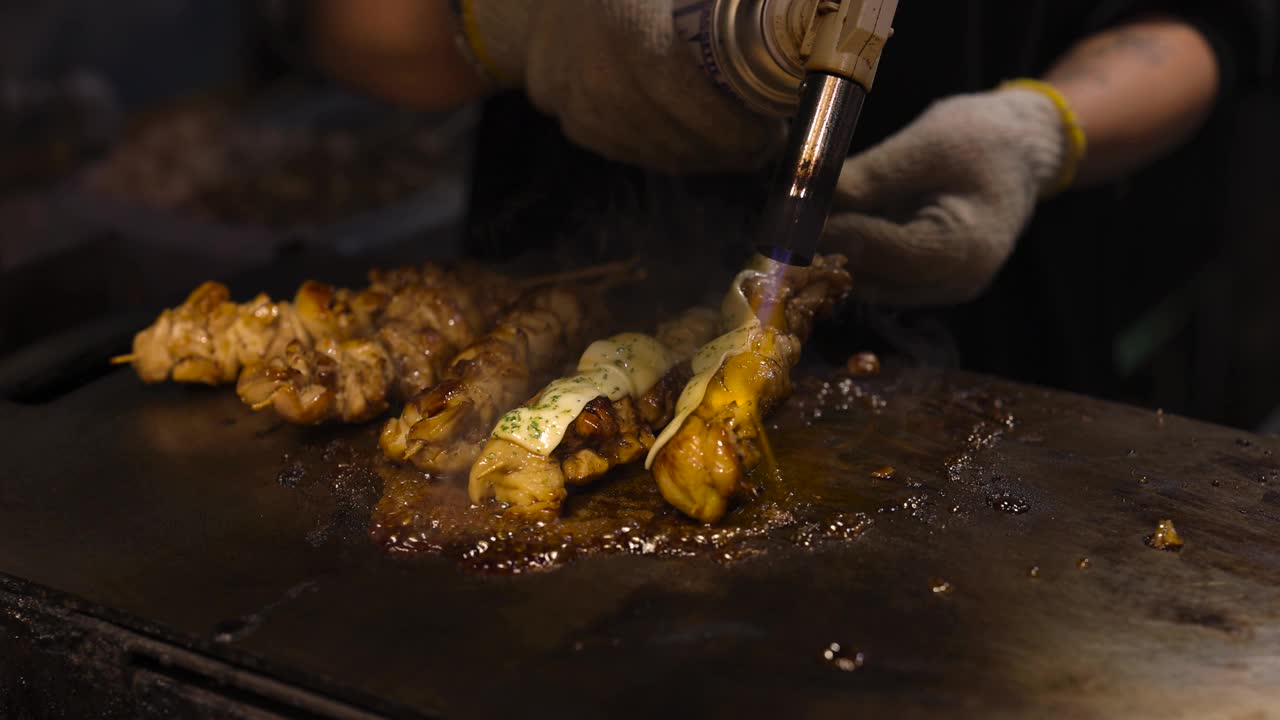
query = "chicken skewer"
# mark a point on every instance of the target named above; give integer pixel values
(442, 430)
(352, 380)
(208, 339)
(701, 459)
(617, 433)
(421, 328)
(579, 427)
(333, 353)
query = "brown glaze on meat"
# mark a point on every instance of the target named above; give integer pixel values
(442, 431)
(604, 435)
(703, 468)
(622, 514)
(191, 337)
(347, 380)
(417, 334)
(656, 407)
(208, 339)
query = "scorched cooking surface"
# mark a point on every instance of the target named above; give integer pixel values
(999, 569)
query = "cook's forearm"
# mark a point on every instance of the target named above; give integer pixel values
(403, 51)
(1139, 90)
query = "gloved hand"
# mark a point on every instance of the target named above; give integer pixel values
(931, 214)
(620, 81)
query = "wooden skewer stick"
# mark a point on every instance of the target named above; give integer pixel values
(622, 268)
(124, 359)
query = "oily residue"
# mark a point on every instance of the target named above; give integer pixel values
(818, 496)
(335, 483)
(624, 514)
(1008, 503)
(832, 440)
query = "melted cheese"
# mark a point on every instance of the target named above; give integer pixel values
(740, 320)
(626, 364)
(735, 310)
(640, 359)
(706, 363)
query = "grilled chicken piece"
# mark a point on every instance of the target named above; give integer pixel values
(703, 467)
(610, 433)
(208, 339)
(354, 380)
(531, 485)
(419, 355)
(656, 407)
(332, 312)
(190, 341)
(605, 434)
(442, 430)
(333, 353)
(425, 317)
(302, 384)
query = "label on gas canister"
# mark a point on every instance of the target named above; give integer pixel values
(693, 21)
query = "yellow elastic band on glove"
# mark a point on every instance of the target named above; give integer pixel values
(472, 45)
(1077, 144)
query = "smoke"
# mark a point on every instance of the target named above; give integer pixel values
(543, 203)
(921, 337)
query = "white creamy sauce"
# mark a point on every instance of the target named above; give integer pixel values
(625, 364)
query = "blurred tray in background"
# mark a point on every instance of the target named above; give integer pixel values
(213, 188)
(319, 167)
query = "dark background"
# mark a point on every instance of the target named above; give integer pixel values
(1158, 291)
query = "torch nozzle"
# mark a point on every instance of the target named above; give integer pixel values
(800, 195)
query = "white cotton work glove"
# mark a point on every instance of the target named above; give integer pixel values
(929, 216)
(620, 80)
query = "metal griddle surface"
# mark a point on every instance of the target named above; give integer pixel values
(175, 511)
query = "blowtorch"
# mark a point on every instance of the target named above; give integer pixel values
(811, 60)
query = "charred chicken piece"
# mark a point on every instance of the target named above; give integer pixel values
(442, 430)
(354, 380)
(300, 384)
(703, 466)
(609, 433)
(605, 433)
(418, 355)
(656, 407)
